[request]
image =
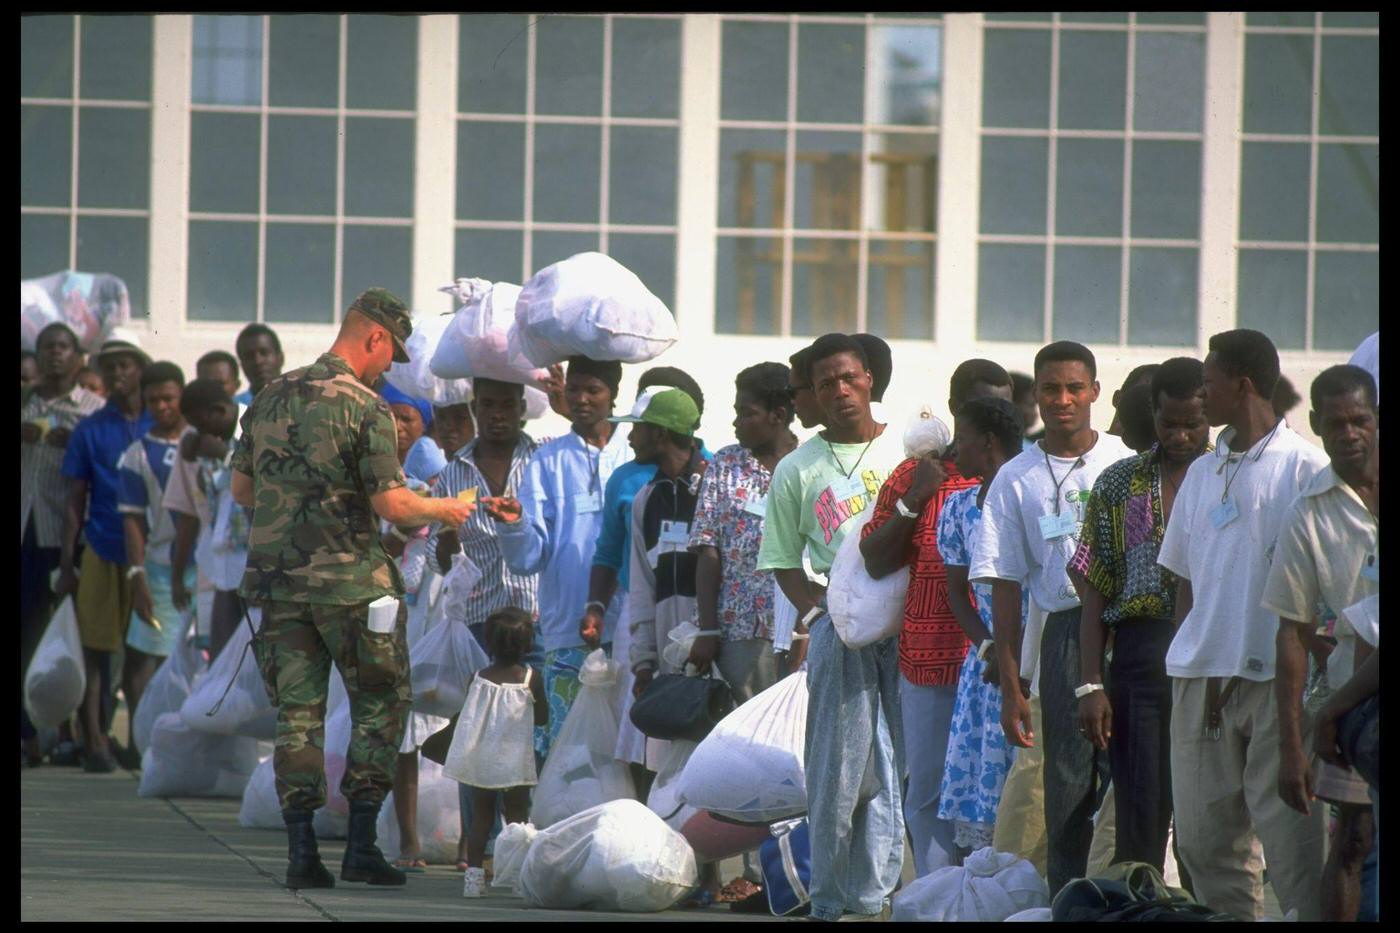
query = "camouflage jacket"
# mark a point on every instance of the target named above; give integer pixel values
(318, 443)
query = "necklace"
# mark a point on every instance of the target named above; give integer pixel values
(841, 466)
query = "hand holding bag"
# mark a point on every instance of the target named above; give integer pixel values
(675, 706)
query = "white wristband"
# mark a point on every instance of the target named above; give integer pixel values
(801, 636)
(133, 570)
(1084, 690)
(812, 615)
(904, 510)
(984, 648)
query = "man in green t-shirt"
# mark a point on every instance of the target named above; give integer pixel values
(817, 493)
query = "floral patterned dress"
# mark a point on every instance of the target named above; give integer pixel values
(978, 753)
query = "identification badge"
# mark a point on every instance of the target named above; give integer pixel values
(586, 502)
(757, 506)
(1224, 513)
(169, 458)
(848, 488)
(675, 533)
(1371, 569)
(1057, 526)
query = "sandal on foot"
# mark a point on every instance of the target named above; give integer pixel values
(416, 864)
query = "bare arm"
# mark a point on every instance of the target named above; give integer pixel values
(708, 569)
(1290, 670)
(186, 530)
(1365, 683)
(799, 591)
(72, 526)
(241, 485)
(602, 584)
(1183, 601)
(886, 549)
(402, 506)
(1006, 633)
(1095, 711)
(134, 528)
(961, 604)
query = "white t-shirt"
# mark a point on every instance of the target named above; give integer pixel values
(1365, 620)
(1368, 357)
(1228, 633)
(1027, 539)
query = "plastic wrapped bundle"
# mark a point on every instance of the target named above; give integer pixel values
(260, 808)
(180, 762)
(440, 666)
(989, 886)
(439, 817)
(56, 679)
(415, 378)
(925, 433)
(92, 304)
(170, 686)
(864, 610)
(239, 708)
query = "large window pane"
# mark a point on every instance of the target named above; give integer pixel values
(899, 296)
(490, 171)
(491, 63)
(1013, 184)
(824, 281)
(118, 245)
(1087, 282)
(1351, 86)
(642, 175)
(378, 167)
(1346, 307)
(652, 257)
(1274, 191)
(1169, 81)
(43, 245)
(228, 60)
(1166, 189)
(754, 82)
(748, 285)
(1094, 18)
(568, 161)
(549, 246)
(1162, 297)
(1351, 19)
(1016, 78)
(830, 73)
(827, 180)
(569, 65)
(1289, 18)
(45, 156)
(223, 271)
(304, 69)
(1273, 295)
(489, 254)
(301, 165)
(1348, 194)
(1010, 292)
(381, 256)
(114, 158)
(1157, 18)
(906, 87)
(1089, 191)
(905, 170)
(46, 62)
(300, 280)
(381, 62)
(752, 178)
(1093, 80)
(1277, 84)
(116, 61)
(646, 72)
(224, 162)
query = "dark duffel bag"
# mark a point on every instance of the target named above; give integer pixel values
(1359, 738)
(675, 706)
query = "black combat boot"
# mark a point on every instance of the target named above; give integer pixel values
(363, 861)
(304, 868)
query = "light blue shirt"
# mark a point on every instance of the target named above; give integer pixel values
(561, 496)
(614, 544)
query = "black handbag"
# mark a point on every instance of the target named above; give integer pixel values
(675, 706)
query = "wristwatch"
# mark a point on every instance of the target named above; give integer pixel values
(904, 510)
(1084, 690)
(984, 649)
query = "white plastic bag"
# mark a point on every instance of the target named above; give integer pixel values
(581, 771)
(441, 664)
(863, 610)
(477, 343)
(171, 684)
(664, 798)
(439, 817)
(260, 808)
(180, 762)
(56, 679)
(92, 304)
(416, 378)
(591, 304)
(512, 845)
(1034, 915)
(615, 856)
(989, 886)
(925, 433)
(245, 709)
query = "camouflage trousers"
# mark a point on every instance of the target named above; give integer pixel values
(295, 648)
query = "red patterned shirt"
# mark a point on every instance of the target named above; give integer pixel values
(932, 645)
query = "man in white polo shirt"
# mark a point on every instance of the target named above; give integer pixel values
(1225, 726)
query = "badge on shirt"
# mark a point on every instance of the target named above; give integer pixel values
(1224, 513)
(677, 533)
(757, 506)
(1371, 569)
(169, 458)
(1057, 526)
(586, 502)
(848, 487)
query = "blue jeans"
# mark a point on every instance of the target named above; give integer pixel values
(927, 714)
(857, 846)
(1370, 911)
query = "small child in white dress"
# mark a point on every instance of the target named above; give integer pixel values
(493, 745)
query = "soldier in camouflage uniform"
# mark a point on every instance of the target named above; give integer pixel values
(317, 461)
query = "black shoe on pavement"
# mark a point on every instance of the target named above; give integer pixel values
(304, 866)
(363, 861)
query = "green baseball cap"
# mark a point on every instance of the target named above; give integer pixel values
(383, 307)
(666, 408)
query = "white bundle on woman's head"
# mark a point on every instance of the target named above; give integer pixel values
(925, 433)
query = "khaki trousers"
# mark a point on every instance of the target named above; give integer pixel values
(1020, 826)
(1226, 806)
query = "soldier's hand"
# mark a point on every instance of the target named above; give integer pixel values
(453, 512)
(503, 508)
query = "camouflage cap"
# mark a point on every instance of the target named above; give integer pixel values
(383, 307)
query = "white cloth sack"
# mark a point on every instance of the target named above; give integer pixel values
(92, 304)
(477, 341)
(460, 582)
(416, 378)
(581, 772)
(591, 304)
(864, 610)
(440, 666)
(511, 847)
(925, 433)
(171, 684)
(990, 886)
(615, 856)
(439, 817)
(664, 798)
(56, 679)
(260, 808)
(180, 762)
(493, 744)
(245, 710)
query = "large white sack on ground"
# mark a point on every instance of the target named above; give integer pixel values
(863, 610)
(245, 709)
(415, 378)
(581, 772)
(512, 845)
(180, 762)
(1034, 915)
(664, 798)
(92, 304)
(440, 666)
(171, 684)
(591, 304)
(56, 679)
(989, 886)
(260, 808)
(439, 817)
(615, 856)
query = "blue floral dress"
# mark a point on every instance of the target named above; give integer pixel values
(978, 753)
